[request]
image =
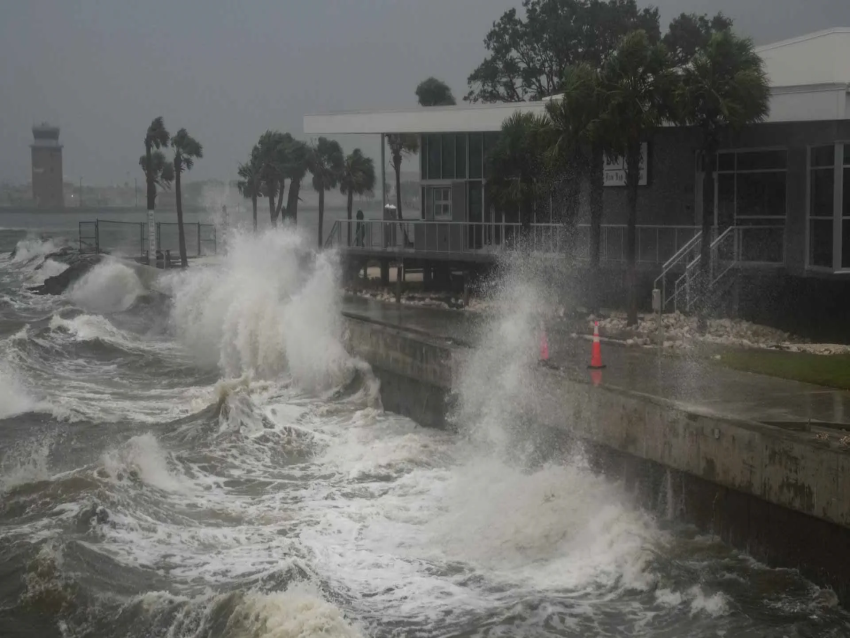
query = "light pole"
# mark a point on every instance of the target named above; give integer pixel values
(81, 192)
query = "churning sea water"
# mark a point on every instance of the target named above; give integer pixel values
(200, 456)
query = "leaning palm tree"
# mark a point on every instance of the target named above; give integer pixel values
(325, 161)
(186, 150)
(723, 88)
(637, 83)
(401, 145)
(161, 172)
(358, 178)
(514, 164)
(156, 138)
(251, 183)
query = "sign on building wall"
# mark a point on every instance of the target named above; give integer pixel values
(615, 173)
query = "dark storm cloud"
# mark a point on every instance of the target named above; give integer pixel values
(227, 70)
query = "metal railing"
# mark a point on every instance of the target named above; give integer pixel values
(131, 238)
(736, 245)
(654, 243)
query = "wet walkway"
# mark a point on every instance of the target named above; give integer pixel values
(702, 384)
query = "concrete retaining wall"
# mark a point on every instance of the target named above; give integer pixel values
(776, 493)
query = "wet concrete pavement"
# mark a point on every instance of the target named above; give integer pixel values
(696, 382)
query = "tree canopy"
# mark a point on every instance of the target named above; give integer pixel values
(690, 33)
(434, 92)
(186, 150)
(162, 171)
(529, 55)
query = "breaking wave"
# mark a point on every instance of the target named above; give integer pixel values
(272, 306)
(109, 287)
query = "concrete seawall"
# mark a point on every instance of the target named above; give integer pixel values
(775, 492)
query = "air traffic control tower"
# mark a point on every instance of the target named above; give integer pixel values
(47, 167)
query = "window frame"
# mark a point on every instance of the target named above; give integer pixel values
(839, 166)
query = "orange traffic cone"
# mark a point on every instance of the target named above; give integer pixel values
(544, 347)
(596, 350)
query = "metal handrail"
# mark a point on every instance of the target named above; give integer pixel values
(472, 237)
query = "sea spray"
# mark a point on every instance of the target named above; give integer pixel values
(109, 287)
(272, 306)
(14, 397)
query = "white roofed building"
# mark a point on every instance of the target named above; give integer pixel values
(783, 187)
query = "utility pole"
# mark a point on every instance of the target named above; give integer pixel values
(135, 192)
(81, 192)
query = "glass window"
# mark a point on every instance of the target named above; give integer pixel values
(726, 200)
(726, 162)
(434, 170)
(822, 192)
(441, 203)
(490, 140)
(846, 207)
(448, 143)
(460, 159)
(476, 202)
(760, 195)
(845, 243)
(823, 156)
(820, 242)
(476, 155)
(762, 161)
(423, 157)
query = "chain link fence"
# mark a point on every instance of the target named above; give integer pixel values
(130, 239)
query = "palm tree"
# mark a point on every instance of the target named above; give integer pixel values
(156, 137)
(358, 178)
(251, 184)
(723, 88)
(272, 153)
(162, 173)
(401, 145)
(514, 163)
(325, 161)
(295, 169)
(637, 84)
(578, 140)
(186, 150)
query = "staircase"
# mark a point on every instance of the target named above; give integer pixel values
(680, 285)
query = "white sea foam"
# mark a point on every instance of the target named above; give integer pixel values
(108, 287)
(90, 327)
(298, 612)
(143, 457)
(271, 306)
(25, 463)
(14, 397)
(50, 268)
(32, 250)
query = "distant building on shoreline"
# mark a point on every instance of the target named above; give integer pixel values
(47, 167)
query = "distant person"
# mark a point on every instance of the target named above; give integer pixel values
(360, 229)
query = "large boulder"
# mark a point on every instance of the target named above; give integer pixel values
(78, 265)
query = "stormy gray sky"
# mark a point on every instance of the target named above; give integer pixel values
(229, 70)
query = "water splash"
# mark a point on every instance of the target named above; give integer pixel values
(108, 287)
(272, 306)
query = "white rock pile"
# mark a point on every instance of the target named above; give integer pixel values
(680, 331)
